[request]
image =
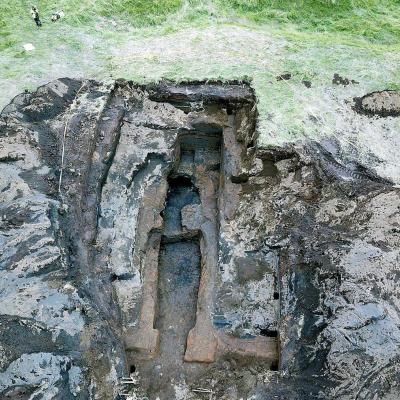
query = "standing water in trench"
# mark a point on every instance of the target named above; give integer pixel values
(179, 277)
(178, 283)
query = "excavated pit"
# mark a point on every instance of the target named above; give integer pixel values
(179, 271)
(178, 338)
(176, 259)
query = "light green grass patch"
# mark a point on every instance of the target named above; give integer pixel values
(202, 39)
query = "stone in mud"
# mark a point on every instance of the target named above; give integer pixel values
(192, 217)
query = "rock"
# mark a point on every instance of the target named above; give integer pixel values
(192, 217)
(383, 104)
(29, 47)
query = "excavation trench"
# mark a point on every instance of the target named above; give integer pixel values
(179, 262)
(175, 339)
(178, 282)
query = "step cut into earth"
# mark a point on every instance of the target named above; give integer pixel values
(143, 231)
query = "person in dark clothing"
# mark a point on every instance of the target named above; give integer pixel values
(35, 16)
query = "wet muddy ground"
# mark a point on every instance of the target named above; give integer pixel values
(306, 245)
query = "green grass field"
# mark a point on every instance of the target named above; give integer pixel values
(146, 40)
(372, 19)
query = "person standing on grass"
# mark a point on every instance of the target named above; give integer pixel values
(35, 16)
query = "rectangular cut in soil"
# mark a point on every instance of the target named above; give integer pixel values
(179, 277)
(175, 339)
(179, 265)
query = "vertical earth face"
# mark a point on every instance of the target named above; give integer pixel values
(149, 248)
